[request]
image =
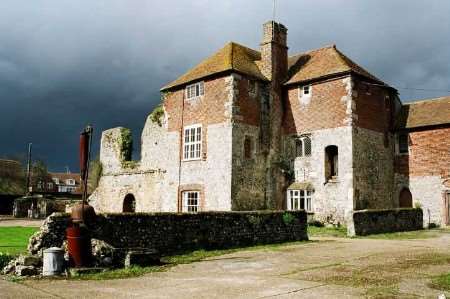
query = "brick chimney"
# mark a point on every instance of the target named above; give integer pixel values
(274, 51)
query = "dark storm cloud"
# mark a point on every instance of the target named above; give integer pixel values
(64, 64)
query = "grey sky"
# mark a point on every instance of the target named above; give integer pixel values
(66, 63)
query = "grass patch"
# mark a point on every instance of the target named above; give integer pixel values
(411, 235)
(171, 261)
(441, 282)
(14, 239)
(315, 231)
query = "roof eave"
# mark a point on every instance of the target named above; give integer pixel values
(217, 74)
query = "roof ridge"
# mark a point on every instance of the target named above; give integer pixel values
(428, 100)
(314, 50)
(232, 54)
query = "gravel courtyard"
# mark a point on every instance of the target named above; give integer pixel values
(326, 267)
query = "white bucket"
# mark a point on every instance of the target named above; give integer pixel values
(53, 261)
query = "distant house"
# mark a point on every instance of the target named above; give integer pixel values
(66, 182)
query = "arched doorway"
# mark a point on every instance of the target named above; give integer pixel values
(129, 204)
(405, 198)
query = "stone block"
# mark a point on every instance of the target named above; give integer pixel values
(26, 270)
(141, 258)
(30, 260)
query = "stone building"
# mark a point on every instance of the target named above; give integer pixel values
(250, 130)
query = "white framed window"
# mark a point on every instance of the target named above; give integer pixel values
(192, 142)
(305, 91)
(195, 90)
(303, 146)
(56, 180)
(299, 200)
(191, 201)
(70, 182)
(49, 185)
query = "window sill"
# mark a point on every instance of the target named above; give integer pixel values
(191, 160)
(194, 98)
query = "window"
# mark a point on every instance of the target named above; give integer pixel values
(403, 143)
(56, 180)
(248, 147)
(191, 201)
(129, 204)
(305, 91)
(70, 182)
(303, 146)
(331, 162)
(252, 87)
(299, 200)
(49, 185)
(192, 146)
(195, 90)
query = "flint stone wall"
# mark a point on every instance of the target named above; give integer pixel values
(367, 222)
(172, 233)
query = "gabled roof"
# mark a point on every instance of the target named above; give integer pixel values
(429, 112)
(316, 64)
(231, 57)
(322, 63)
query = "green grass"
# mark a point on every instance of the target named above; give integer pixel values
(441, 282)
(417, 234)
(14, 239)
(315, 231)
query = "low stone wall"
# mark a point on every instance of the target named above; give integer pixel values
(170, 233)
(367, 222)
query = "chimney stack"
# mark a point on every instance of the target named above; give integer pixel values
(274, 51)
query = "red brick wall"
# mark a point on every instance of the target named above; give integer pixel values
(249, 106)
(208, 109)
(374, 112)
(429, 153)
(325, 110)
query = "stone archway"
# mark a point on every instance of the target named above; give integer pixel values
(129, 204)
(405, 198)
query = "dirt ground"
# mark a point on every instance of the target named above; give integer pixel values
(322, 268)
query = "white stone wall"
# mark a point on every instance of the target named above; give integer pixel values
(214, 173)
(427, 191)
(332, 201)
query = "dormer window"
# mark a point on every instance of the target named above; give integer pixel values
(70, 182)
(195, 90)
(306, 91)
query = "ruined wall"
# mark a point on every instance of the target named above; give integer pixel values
(170, 233)
(367, 222)
(426, 171)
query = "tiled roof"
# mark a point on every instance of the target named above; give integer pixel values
(423, 113)
(323, 62)
(315, 64)
(231, 57)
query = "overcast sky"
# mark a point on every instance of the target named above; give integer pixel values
(64, 64)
